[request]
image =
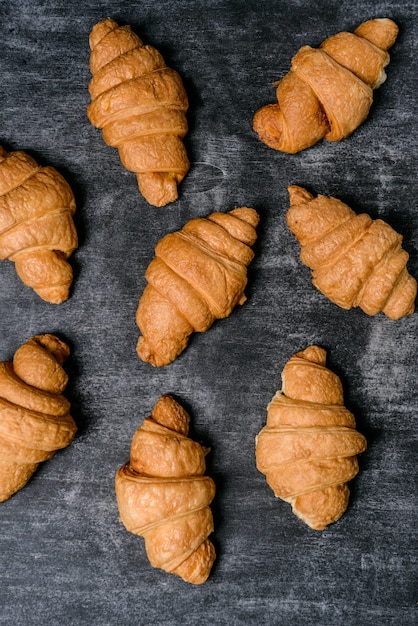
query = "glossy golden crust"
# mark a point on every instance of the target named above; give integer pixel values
(163, 495)
(34, 417)
(140, 105)
(37, 231)
(355, 261)
(197, 276)
(329, 90)
(309, 446)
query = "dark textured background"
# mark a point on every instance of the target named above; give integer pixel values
(64, 556)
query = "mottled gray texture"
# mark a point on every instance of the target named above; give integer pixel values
(65, 557)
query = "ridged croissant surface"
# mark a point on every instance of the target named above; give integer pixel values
(308, 448)
(35, 420)
(37, 231)
(164, 497)
(355, 261)
(329, 90)
(198, 275)
(140, 104)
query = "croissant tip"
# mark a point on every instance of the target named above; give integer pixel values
(158, 188)
(382, 32)
(298, 195)
(53, 295)
(314, 353)
(148, 355)
(170, 413)
(268, 124)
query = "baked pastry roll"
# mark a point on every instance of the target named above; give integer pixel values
(355, 260)
(37, 231)
(198, 275)
(140, 105)
(163, 495)
(35, 418)
(308, 448)
(329, 90)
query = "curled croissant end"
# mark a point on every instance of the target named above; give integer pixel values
(140, 105)
(308, 448)
(37, 231)
(329, 90)
(164, 497)
(35, 420)
(198, 275)
(355, 261)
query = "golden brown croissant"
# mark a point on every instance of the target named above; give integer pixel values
(355, 261)
(34, 417)
(164, 497)
(140, 104)
(37, 231)
(308, 448)
(329, 90)
(198, 275)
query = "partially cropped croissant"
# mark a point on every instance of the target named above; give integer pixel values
(140, 104)
(37, 231)
(198, 275)
(35, 420)
(329, 90)
(355, 261)
(308, 448)
(164, 497)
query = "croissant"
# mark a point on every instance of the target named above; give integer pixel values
(329, 90)
(34, 417)
(308, 448)
(163, 496)
(198, 275)
(355, 261)
(140, 104)
(37, 231)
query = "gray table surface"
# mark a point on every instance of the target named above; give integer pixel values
(65, 558)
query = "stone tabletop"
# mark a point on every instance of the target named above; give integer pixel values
(65, 557)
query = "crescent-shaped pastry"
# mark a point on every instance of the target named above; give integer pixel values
(35, 418)
(355, 260)
(198, 275)
(140, 105)
(329, 90)
(37, 231)
(309, 446)
(163, 495)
